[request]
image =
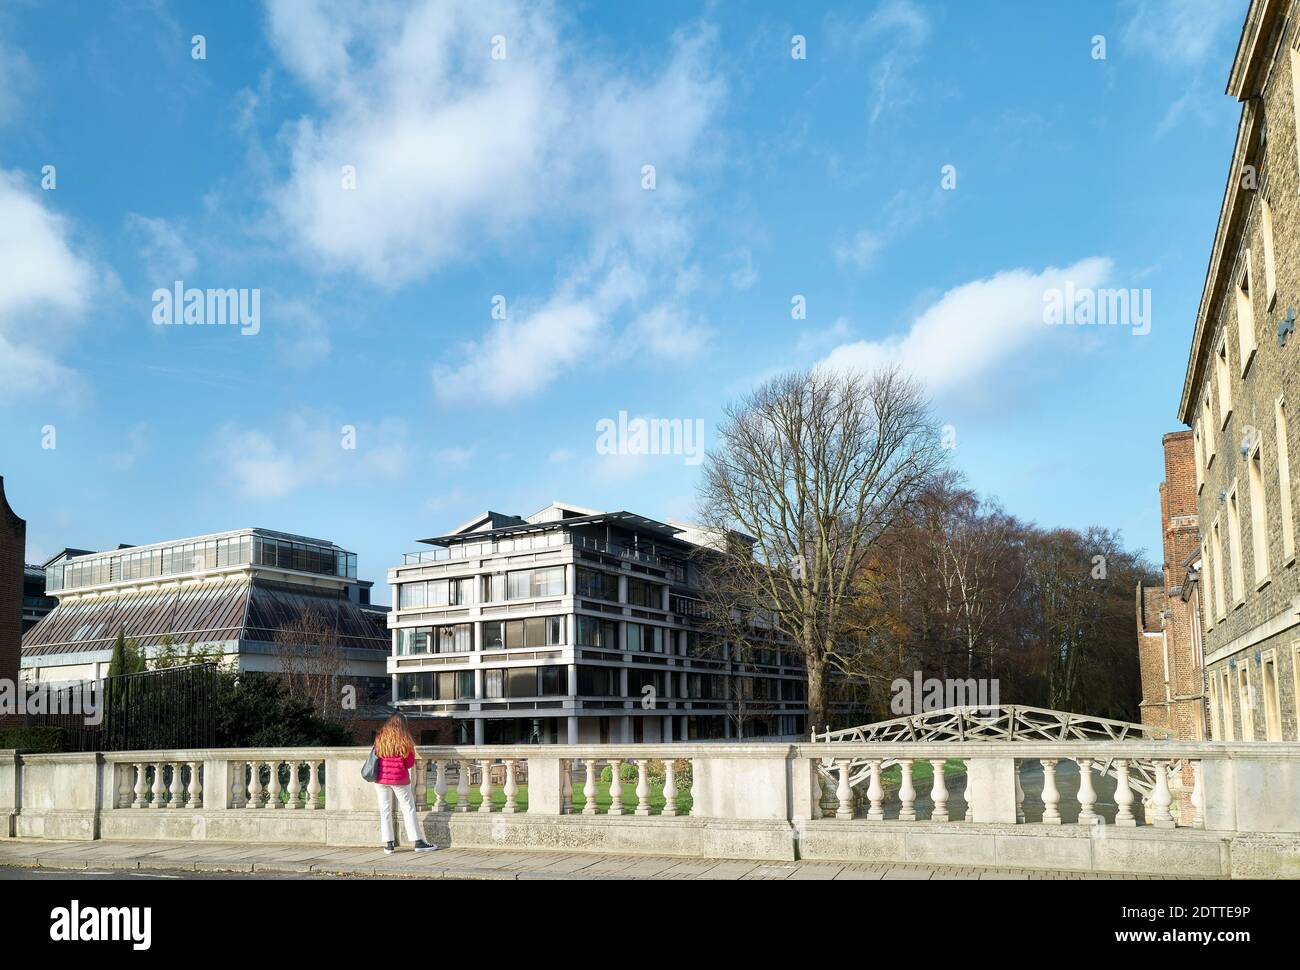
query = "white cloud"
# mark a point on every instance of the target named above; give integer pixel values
(972, 328)
(15, 80)
(667, 332)
(859, 252)
(561, 456)
(45, 289)
(453, 459)
(307, 450)
(745, 275)
(136, 445)
(520, 355)
(455, 151)
(166, 254)
(893, 36)
(1181, 33)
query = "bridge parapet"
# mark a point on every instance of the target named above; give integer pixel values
(1211, 809)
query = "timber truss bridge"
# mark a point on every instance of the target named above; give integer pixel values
(1000, 723)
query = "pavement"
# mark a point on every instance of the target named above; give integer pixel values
(38, 858)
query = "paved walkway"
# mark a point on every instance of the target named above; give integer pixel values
(463, 863)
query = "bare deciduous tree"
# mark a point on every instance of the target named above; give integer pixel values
(312, 661)
(810, 470)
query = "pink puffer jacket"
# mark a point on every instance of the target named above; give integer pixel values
(395, 771)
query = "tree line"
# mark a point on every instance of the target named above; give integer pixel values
(842, 534)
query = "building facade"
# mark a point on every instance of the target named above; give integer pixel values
(574, 625)
(228, 593)
(1241, 397)
(13, 547)
(1168, 616)
(36, 605)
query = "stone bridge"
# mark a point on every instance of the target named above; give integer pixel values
(1210, 809)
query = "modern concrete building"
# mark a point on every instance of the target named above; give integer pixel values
(1241, 392)
(1169, 615)
(576, 625)
(230, 592)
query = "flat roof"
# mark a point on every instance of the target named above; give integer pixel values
(212, 536)
(628, 520)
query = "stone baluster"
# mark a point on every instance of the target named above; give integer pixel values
(485, 787)
(124, 785)
(1016, 768)
(697, 805)
(141, 783)
(616, 787)
(295, 785)
(313, 786)
(254, 784)
(511, 788)
(906, 794)
(843, 791)
(176, 791)
(462, 786)
(159, 787)
(274, 787)
(196, 784)
(670, 787)
(1087, 795)
(1161, 797)
(939, 792)
(828, 801)
(968, 793)
(1198, 797)
(642, 787)
(1123, 796)
(589, 788)
(238, 793)
(440, 786)
(1051, 795)
(420, 785)
(875, 794)
(566, 787)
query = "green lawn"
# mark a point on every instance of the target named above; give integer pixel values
(922, 773)
(603, 800)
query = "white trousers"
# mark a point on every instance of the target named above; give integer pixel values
(384, 793)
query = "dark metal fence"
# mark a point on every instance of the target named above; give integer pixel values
(170, 708)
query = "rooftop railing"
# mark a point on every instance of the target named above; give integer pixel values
(473, 550)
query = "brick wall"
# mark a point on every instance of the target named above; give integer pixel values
(13, 547)
(1172, 676)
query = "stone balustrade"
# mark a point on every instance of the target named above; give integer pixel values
(1214, 809)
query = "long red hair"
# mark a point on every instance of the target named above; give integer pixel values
(393, 739)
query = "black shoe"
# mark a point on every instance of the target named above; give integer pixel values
(390, 848)
(423, 846)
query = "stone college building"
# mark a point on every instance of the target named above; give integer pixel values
(1241, 396)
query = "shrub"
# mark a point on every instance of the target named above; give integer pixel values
(37, 738)
(654, 773)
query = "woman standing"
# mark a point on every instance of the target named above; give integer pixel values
(396, 751)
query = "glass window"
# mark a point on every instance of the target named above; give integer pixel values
(596, 584)
(493, 634)
(521, 682)
(597, 633)
(492, 683)
(411, 595)
(554, 681)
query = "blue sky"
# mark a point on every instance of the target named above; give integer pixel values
(523, 177)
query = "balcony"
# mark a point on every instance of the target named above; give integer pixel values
(475, 550)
